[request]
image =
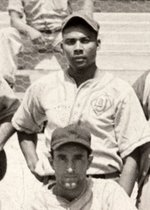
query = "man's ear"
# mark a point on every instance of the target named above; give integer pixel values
(98, 43)
(61, 45)
(51, 161)
(90, 159)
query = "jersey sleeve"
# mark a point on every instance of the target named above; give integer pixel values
(30, 116)
(114, 197)
(131, 127)
(16, 5)
(139, 88)
(9, 103)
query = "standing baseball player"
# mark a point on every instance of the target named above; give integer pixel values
(106, 105)
(71, 156)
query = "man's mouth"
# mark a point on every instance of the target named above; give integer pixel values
(71, 185)
(79, 59)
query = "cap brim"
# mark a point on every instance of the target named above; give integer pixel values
(64, 141)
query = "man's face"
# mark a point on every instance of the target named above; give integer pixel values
(80, 46)
(70, 163)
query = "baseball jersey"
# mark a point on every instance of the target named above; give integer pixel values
(142, 89)
(99, 195)
(8, 101)
(105, 104)
(40, 14)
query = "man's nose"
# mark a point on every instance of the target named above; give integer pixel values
(78, 49)
(70, 167)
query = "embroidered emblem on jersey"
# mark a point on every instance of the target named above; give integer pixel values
(101, 104)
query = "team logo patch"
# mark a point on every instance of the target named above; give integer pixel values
(101, 104)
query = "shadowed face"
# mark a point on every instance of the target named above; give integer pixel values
(80, 46)
(70, 163)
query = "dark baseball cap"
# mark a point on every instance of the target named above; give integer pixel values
(73, 133)
(87, 19)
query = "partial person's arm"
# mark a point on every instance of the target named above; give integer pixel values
(132, 131)
(8, 105)
(28, 144)
(28, 121)
(144, 164)
(130, 172)
(18, 23)
(39, 167)
(6, 131)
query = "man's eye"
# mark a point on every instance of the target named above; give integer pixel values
(70, 41)
(78, 157)
(85, 40)
(61, 157)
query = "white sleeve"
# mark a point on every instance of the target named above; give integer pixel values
(131, 127)
(16, 5)
(30, 115)
(116, 198)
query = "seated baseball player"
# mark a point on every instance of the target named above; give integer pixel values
(71, 156)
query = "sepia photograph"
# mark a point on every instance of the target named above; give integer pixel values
(74, 104)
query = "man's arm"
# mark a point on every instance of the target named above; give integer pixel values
(18, 23)
(132, 132)
(130, 172)
(28, 144)
(144, 163)
(8, 106)
(40, 168)
(6, 131)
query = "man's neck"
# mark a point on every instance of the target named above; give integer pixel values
(70, 195)
(82, 75)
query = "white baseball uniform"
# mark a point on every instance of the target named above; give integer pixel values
(99, 195)
(107, 105)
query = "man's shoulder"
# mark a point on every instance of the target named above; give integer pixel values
(111, 79)
(102, 188)
(102, 183)
(114, 85)
(49, 80)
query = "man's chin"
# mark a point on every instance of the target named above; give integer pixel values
(81, 68)
(79, 65)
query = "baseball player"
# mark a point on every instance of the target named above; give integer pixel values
(70, 158)
(39, 22)
(142, 89)
(106, 105)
